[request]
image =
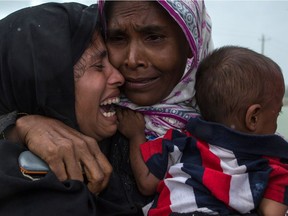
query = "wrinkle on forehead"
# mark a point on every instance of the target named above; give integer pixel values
(131, 12)
(142, 16)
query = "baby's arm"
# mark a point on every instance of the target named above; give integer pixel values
(132, 125)
(271, 208)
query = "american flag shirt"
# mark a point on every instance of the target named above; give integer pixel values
(213, 169)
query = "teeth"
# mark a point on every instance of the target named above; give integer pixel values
(111, 101)
(109, 114)
(109, 110)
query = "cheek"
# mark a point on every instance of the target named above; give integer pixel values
(88, 92)
(90, 87)
(116, 56)
(172, 69)
(270, 125)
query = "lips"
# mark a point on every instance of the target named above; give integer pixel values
(107, 106)
(140, 83)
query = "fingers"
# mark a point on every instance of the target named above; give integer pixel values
(97, 168)
(64, 163)
(66, 150)
(86, 157)
(82, 154)
(106, 169)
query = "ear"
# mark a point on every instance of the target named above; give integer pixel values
(253, 117)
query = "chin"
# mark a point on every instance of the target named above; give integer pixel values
(109, 131)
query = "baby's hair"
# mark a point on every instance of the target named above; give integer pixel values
(231, 79)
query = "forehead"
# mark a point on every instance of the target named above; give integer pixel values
(96, 49)
(137, 13)
(97, 40)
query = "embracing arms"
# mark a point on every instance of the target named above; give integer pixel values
(64, 149)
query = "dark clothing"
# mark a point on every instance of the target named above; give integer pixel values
(47, 196)
(20, 196)
(122, 192)
(38, 48)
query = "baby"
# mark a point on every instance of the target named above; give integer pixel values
(229, 160)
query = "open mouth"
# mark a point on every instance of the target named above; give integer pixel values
(107, 107)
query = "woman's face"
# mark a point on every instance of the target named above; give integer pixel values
(149, 49)
(96, 89)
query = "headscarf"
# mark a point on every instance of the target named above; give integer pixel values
(175, 110)
(38, 48)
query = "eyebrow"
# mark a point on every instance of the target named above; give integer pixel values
(103, 54)
(99, 55)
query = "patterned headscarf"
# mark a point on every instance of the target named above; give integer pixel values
(175, 110)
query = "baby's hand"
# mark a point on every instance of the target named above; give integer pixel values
(131, 123)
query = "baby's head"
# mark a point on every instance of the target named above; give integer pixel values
(240, 88)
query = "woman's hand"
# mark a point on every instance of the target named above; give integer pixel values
(67, 152)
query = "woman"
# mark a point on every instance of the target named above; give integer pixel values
(54, 63)
(131, 51)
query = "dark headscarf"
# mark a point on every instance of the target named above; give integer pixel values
(38, 49)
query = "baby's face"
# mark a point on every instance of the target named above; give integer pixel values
(271, 111)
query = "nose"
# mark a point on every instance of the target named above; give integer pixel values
(115, 77)
(135, 56)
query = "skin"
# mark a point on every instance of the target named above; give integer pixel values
(271, 208)
(262, 118)
(67, 150)
(148, 47)
(98, 81)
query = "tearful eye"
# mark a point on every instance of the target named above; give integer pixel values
(155, 37)
(116, 39)
(98, 66)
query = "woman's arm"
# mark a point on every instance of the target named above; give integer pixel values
(64, 149)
